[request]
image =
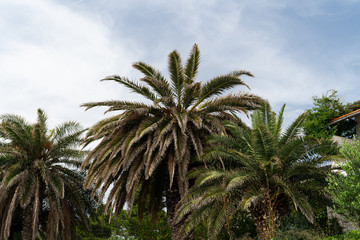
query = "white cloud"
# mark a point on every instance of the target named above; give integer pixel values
(230, 40)
(53, 54)
(54, 59)
(255, 36)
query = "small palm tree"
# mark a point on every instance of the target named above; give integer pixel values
(151, 146)
(260, 171)
(39, 177)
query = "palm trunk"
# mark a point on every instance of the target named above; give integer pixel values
(265, 218)
(263, 230)
(265, 215)
(26, 232)
(265, 224)
(172, 199)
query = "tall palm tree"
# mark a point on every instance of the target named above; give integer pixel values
(261, 171)
(151, 146)
(39, 177)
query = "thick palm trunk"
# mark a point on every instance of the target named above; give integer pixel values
(265, 224)
(26, 232)
(262, 229)
(172, 199)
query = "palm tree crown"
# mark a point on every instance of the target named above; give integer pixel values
(151, 145)
(262, 171)
(37, 175)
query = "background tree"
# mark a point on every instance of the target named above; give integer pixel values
(262, 171)
(352, 106)
(344, 186)
(151, 146)
(326, 108)
(39, 179)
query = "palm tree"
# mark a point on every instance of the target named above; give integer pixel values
(39, 177)
(261, 171)
(151, 146)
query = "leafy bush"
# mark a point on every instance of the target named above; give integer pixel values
(326, 108)
(127, 227)
(148, 228)
(295, 226)
(345, 186)
(355, 234)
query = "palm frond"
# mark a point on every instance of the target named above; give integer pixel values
(293, 130)
(190, 95)
(154, 79)
(218, 85)
(176, 75)
(241, 102)
(192, 65)
(279, 122)
(117, 105)
(138, 88)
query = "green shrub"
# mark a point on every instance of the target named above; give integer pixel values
(295, 226)
(345, 188)
(355, 234)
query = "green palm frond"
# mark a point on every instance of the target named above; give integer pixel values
(16, 130)
(176, 75)
(192, 65)
(155, 80)
(65, 128)
(138, 88)
(42, 119)
(191, 93)
(279, 122)
(13, 173)
(239, 73)
(27, 190)
(217, 86)
(293, 130)
(264, 143)
(243, 102)
(264, 116)
(218, 220)
(117, 105)
(239, 180)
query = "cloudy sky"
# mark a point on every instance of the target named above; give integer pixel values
(53, 53)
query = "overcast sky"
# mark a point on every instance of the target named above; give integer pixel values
(53, 53)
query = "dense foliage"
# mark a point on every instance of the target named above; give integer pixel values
(151, 146)
(344, 184)
(262, 171)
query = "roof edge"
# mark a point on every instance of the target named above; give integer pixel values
(343, 117)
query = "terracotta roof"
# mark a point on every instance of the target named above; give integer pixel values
(343, 117)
